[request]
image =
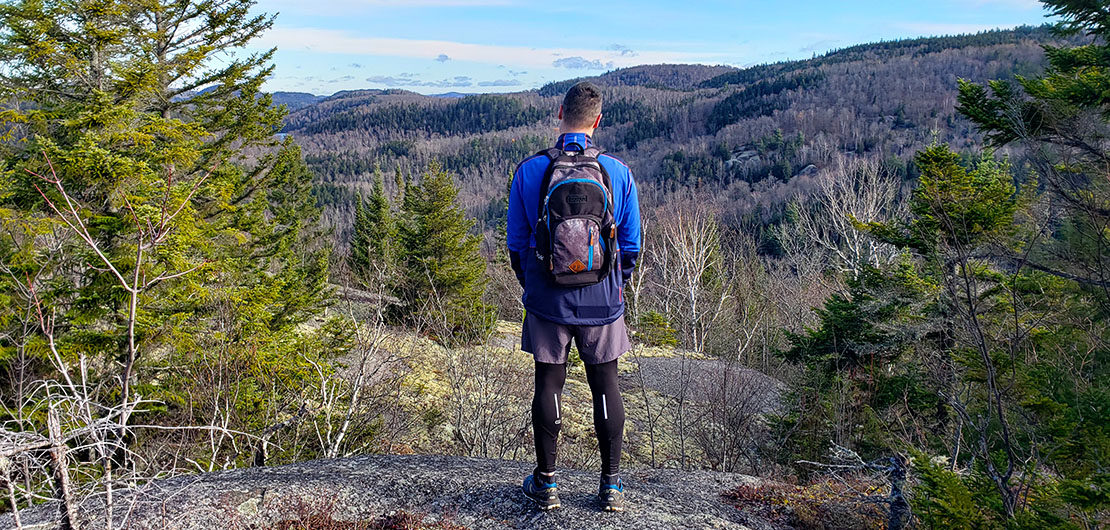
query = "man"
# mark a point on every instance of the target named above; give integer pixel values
(559, 304)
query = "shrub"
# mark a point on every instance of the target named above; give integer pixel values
(653, 329)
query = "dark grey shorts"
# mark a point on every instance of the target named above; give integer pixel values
(549, 342)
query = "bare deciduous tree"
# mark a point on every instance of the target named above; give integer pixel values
(690, 279)
(851, 191)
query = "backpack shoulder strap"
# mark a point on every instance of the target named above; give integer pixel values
(596, 153)
(552, 154)
(593, 152)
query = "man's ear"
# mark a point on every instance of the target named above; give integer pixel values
(596, 122)
(560, 112)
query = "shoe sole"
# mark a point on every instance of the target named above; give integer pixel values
(605, 507)
(539, 504)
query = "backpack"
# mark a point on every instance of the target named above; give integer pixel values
(576, 234)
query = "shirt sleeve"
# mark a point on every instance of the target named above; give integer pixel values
(628, 226)
(518, 232)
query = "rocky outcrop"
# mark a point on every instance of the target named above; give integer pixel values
(451, 492)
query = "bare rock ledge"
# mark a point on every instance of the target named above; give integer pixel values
(468, 492)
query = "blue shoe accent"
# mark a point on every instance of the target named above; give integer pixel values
(612, 496)
(530, 483)
(546, 495)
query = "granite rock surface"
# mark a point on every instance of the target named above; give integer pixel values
(454, 491)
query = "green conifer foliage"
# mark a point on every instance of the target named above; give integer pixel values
(443, 269)
(373, 245)
(999, 364)
(399, 182)
(422, 258)
(1063, 118)
(133, 217)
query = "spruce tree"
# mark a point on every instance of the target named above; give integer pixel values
(444, 271)
(1062, 118)
(374, 242)
(399, 182)
(411, 196)
(358, 256)
(176, 246)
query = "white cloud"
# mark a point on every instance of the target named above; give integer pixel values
(501, 82)
(622, 49)
(410, 80)
(336, 41)
(581, 63)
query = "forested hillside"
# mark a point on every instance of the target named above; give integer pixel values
(748, 134)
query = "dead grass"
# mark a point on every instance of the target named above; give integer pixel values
(826, 504)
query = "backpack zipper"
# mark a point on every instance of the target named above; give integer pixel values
(590, 259)
(547, 200)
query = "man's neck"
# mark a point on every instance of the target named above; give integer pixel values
(587, 132)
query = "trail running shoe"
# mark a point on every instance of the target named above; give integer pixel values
(546, 496)
(612, 496)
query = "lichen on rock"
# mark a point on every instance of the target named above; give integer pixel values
(435, 491)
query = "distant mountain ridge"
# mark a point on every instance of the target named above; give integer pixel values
(693, 76)
(296, 100)
(754, 137)
(661, 76)
(688, 77)
(292, 100)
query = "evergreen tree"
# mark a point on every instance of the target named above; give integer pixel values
(135, 220)
(1008, 340)
(444, 271)
(358, 255)
(1063, 116)
(374, 242)
(399, 182)
(411, 196)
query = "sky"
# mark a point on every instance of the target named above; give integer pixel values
(475, 46)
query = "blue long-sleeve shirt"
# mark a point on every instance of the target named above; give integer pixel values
(590, 305)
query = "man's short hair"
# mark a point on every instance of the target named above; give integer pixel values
(582, 104)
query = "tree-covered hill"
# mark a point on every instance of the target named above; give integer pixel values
(753, 134)
(295, 100)
(662, 76)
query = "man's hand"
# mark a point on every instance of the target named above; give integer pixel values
(628, 263)
(518, 267)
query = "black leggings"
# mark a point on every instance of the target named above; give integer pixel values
(608, 413)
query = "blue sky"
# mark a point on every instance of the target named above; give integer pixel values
(436, 46)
